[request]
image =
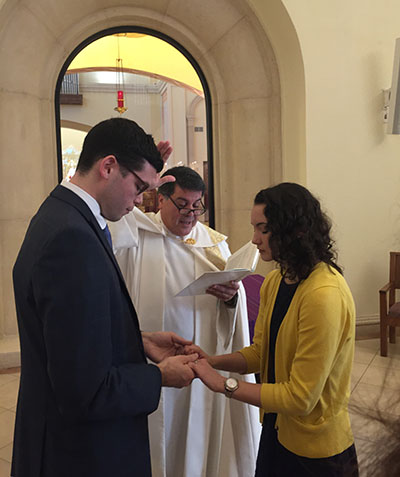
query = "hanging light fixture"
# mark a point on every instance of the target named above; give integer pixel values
(120, 83)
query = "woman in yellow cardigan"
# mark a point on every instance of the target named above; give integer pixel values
(303, 343)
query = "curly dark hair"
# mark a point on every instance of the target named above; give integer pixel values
(299, 230)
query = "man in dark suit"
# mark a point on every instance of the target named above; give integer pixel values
(86, 386)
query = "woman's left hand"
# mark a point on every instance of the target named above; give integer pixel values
(211, 378)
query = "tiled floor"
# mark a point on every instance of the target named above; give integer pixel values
(375, 386)
(8, 397)
(375, 396)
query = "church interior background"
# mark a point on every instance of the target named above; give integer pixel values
(296, 93)
(140, 77)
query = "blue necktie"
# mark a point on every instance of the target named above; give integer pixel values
(107, 233)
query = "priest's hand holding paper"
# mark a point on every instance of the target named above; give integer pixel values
(224, 291)
(224, 284)
(160, 345)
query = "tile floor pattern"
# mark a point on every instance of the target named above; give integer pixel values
(375, 386)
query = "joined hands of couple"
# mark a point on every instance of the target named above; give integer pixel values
(179, 360)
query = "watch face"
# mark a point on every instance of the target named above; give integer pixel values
(231, 383)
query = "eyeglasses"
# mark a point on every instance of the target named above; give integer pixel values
(143, 186)
(186, 211)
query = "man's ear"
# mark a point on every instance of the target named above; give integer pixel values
(107, 165)
(160, 200)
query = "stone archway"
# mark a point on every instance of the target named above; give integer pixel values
(230, 45)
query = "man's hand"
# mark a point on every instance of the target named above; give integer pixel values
(160, 345)
(192, 348)
(165, 149)
(211, 378)
(176, 371)
(224, 291)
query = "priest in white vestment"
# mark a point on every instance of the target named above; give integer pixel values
(194, 432)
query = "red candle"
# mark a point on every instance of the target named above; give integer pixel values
(120, 99)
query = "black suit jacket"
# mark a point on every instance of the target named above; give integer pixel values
(86, 388)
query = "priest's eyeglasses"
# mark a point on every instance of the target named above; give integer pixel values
(186, 211)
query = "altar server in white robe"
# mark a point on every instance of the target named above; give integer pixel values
(194, 432)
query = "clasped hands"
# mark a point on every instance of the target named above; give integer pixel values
(179, 360)
(166, 350)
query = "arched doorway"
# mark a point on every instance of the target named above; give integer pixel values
(178, 86)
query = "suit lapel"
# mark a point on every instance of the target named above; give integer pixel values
(66, 195)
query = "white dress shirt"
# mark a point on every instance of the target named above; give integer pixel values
(90, 201)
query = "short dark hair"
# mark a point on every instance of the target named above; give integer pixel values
(186, 178)
(300, 231)
(124, 139)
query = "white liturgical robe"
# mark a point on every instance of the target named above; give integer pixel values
(194, 432)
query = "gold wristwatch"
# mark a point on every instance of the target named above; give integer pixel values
(231, 384)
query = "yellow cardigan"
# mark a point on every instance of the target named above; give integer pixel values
(313, 360)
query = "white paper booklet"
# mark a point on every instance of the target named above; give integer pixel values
(239, 265)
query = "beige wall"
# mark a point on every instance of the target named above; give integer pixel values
(199, 138)
(228, 43)
(282, 34)
(98, 106)
(352, 165)
(177, 126)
